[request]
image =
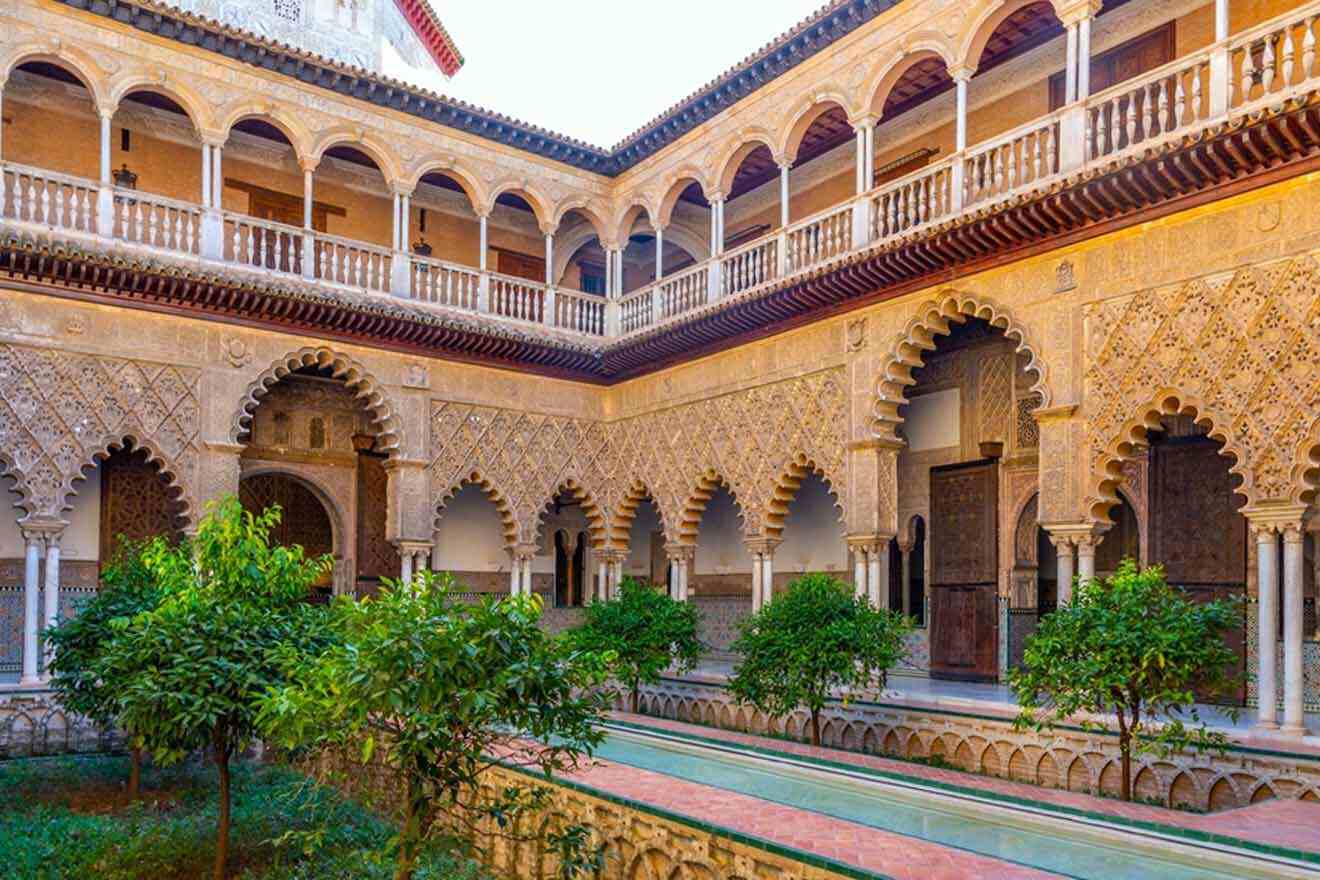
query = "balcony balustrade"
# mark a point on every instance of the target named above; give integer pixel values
(1262, 66)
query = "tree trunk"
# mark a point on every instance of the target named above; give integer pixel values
(1125, 748)
(815, 727)
(409, 836)
(635, 697)
(135, 774)
(222, 833)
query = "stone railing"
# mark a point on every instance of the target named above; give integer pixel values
(1260, 67)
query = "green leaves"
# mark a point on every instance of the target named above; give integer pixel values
(1133, 648)
(642, 631)
(812, 640)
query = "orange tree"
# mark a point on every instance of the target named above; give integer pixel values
(1131, 648)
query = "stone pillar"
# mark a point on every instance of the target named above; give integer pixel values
(406, 568)
(680, 561)
(659, 252)
(905, 548)
(550, 259)
(1070, 66)
(1221, 20)
(105, 197)
(877, 579)
(206, 175)
(960, 131)
(756, 582)
(1294, 718)
(1267, 599)
(784, 167)
(485, 241)
(31, 608)
(52, 617)
(1086, 556)
(1084, 58)
(859, 569)
(767, 576)
(1063, 547)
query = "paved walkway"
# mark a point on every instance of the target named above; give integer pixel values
(1284, 823)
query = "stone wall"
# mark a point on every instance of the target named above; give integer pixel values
(32, 724)
(1070, 758)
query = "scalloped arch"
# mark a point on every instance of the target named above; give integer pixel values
(689, 519)
(364, 385)
(497, 497)
(1306, 467)
(596, 527)
(934, 318)
(1107, 475)
(786, 487)
(174, 486)
(620, 536)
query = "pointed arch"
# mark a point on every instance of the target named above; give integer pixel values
(366, 387)
(738, 148)
(813, 108)
(923, 47)
(455, 169)
(595, 514)
(689, 519)
(497, 496)
(1107, 474)
(155, 81)
(175, 488)
(790, 479)
(935, 318)
(620, 537)
(73, 59)
(369, 144)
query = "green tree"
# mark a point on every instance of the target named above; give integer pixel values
(1131, 648)
(645, 630)
(809, 642)
(197, 667)
(439, 692)
(127, 588)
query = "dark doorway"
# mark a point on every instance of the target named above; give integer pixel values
(964, 619)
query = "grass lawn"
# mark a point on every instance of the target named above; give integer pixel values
(69, 818)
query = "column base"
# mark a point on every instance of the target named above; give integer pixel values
(32, 683)
(1293, 730)
(1265, 727)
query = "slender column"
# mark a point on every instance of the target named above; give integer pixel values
(485, 246)
(961, 130)
(618, 273)
(609, 273)
(859, 165)
(877, 581)
(217, 175)
(394, 241)
(206, 175)
(406, 567)
(756, 582)
(683, 572)
(105, 198)
(105, 148)
(1084, 58)
(602, 582)
(31, 610)
(1063, 547)
(527, 576)
(859, 571)
(659, 253)
(721, 236)
(673, 578)
(1294, 560)
(2, 113)
(783, 194)
(1221, 20)
(715, 227)
(906, 550)
(617, 576)
(549, 259)
(767, 576)
(1267, 607)
(1070, 66)
(52, 593)
(869, 128)
(513, 576)
(1086, 557)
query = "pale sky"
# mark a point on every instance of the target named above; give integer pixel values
(597, 70)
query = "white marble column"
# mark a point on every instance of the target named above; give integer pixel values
(1086, 557)
(52, 617)
(31, 608)
(767, 576)
(1084, 58)
(756, 582)
(906, 550)
(527, 576)
(406, 568)
(549, 259)
(1267, 590)
(877, 580)
(859, 571)
(484, 243)
(783, 194)
(859, 163)
(1294, 561)
(960, 131)
(206, 175)
(1070, 66)
(659, 253)
(602, 582)
(217, 175)
(1063, 547)
(515, 573)
(1221, 20)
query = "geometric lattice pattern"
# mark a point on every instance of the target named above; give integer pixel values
(1242, 352)
(60, 410)
(750, 439)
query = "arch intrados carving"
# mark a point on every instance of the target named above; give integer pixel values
(192, 104)
(1109, 476)
(338, 532)
(890, 72)
(983, 27)
(71, 59)
(594, 513)
(815, 108)
(787, 485)
(364, 142)
(448, 167)
(935, 318)
(365, 387)
(694, 507)
(739, 149)
(1306, 468)
(492, 492)
(686, 177)
(621, 524)
(276, 118)
(174, 487)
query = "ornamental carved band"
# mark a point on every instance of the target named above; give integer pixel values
(753, 441)
(1239, 352)
(60, 411)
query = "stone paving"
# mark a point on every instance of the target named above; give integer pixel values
(1286, 823)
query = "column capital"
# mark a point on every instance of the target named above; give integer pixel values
(962, 72)
(1275, 519)
(611, 554)
(399, 463)
(715, 195)
(524, 550)
(1072, 12)
(864, 120)
(548, 228)
(762, 546)
(214, 138)
(43, 530)
(680, 552)
(1077, 534)
(401, 189)
(409, 546)
(907, 546)
(868, 543)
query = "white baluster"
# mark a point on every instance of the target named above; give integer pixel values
(1267, 66)
(1248, 74)
(1308, 49)
(1289, 51)
(1197, 93)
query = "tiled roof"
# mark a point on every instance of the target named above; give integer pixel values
(426, 24)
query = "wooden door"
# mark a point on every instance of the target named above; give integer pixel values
(964, 612)
(1197, 533)
(135, 501)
